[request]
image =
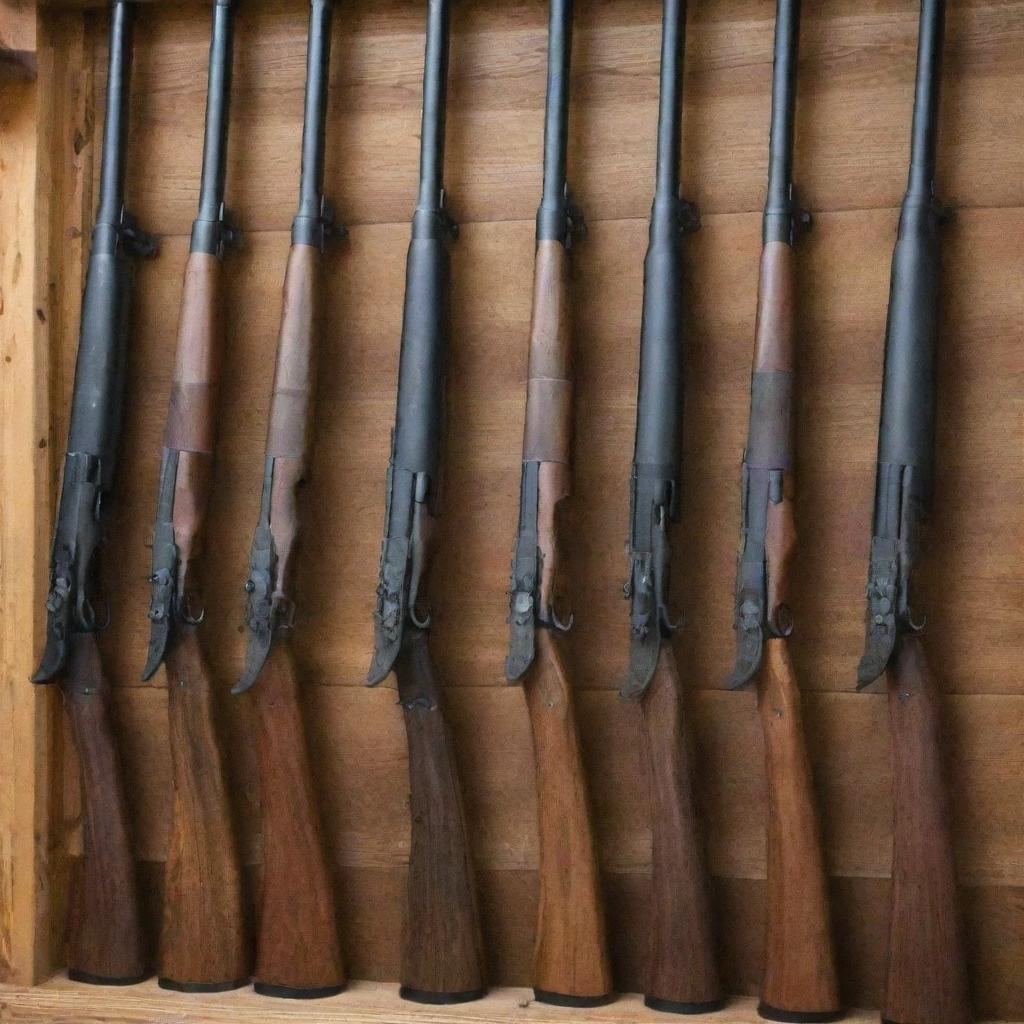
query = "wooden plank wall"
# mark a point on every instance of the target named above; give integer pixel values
(855, 100)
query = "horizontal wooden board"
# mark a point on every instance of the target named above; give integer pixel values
(364, 1003)
(856, 92)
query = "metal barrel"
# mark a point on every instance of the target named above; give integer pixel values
(926, 97)
(435, 92)
(907, 434)
(307, 227)
(552, 218)
(424, 353)
(207, 231)
(659, 408)
(673, 37)
(778, 211)
(115, 129)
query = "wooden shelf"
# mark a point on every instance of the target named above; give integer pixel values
(363, 1003)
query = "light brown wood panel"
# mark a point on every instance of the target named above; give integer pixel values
(856, 93)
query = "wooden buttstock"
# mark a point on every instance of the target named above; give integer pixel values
(298, 952)
(800, 975)
(203, 944)
(570, 964)
(683, 974)
(443, 958)
(106, 943)
(927, 975)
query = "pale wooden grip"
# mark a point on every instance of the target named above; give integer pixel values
(570, 951)
(799, 974)
(926, 973)
(298, 944)
(105, 935)
(203, 943)
(682, 969)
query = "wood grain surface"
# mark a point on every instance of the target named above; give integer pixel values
(854, 107)
(364, 1003)
(297, 946)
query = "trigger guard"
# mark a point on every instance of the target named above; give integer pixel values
(414, 618)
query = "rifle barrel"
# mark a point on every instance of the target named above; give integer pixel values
(778, 213)
(435, 91)
(311, 187)
(552, 215)
(673, 38)
(207, 232)
(115, 130)
(926, 97)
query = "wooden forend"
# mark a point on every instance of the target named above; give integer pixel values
(855, 98)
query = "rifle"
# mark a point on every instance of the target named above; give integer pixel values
(298, 949)
(106, 942)
(799, 975)
(570, 963)
(443, 959)
(203, 943)
(681, 916)
(926, 970)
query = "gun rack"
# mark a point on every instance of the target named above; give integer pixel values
(852, 129)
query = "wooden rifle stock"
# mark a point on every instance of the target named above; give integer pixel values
(799, 977)
(926, 977)
(298, 947)
(571, 965)
(203, 945)
(682, 972)
(299, 953)
(571, 947)
(443, 958)
(106, 941)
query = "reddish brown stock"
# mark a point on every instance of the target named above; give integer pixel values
(570, 952)
(298, 948)
(299, 953)
(571, 965)
(106, 943)
(443, 958)
(926, 978)
(800, 977)
(203, 945)
(682, 974)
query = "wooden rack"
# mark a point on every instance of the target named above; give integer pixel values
(853, 125)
